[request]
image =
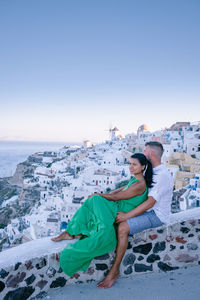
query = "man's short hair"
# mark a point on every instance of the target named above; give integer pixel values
(157, 147)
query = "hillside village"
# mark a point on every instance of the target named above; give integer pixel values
(50, 186)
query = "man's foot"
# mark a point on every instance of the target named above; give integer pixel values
(63, 236)
(108, 281)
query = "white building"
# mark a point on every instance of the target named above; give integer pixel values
(192, 142)
(105, 178)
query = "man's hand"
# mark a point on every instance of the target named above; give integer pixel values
(121, 217)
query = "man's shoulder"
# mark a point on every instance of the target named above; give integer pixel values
(162, 175)
(161, 170)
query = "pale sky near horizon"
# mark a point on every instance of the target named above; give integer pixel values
(71, 69)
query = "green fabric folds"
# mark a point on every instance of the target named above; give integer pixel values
(95, 221)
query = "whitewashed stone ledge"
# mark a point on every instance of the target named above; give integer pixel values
(31, 269)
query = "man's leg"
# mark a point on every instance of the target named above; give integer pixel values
(122, 236)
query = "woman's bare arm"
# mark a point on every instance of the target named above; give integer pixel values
(135, 189)
(117, 190)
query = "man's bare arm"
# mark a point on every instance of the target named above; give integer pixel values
(140, 209)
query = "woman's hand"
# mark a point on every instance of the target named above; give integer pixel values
(121, 217)
(93, 195)
(90, 196)
(112, 192)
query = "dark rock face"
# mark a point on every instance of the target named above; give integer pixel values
(186, 258)
(140, 257)
(164, 267)
(30, 279)
(103, 257)
(180, 240)
(192, 246)
(28, 265)
(41, 295)
(192, 222)
(41, 284)
(160, 246)
(90, 280)
(3, 273)
(2, 286)
(59, 282)
(20, 293)
(129, 259)
(143, 249)
(142, 268)
(41, 264)
(184, 229)
(166, 257)
(172, 247)
(129, 270)
(14, 186)
(60, 270)
(17, 266)
(153, 257)
(101, 267)
(153, 236)
(129, 245)
(190, 235)
(13, 280)
(90, 271)
(50, 272)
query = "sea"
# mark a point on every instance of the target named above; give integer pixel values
(15, 152)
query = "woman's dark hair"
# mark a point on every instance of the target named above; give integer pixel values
(148, 171)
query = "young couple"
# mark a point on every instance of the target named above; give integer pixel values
(104, 221)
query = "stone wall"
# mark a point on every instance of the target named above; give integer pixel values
(31, 269)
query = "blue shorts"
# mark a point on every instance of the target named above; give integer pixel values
(145, 221)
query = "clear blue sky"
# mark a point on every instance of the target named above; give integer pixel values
(69, 69)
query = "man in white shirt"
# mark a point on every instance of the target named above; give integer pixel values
(152, 213)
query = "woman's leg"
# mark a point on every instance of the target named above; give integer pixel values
(75, 226)
(77, 257)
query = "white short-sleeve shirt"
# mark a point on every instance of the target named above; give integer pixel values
(162, 192)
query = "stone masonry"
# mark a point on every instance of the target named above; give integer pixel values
(155, 250)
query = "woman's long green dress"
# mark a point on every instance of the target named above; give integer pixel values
(95, 220)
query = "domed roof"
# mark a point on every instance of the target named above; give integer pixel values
(115, 129)
(143, 127)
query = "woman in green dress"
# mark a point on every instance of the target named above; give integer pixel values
(94, 222)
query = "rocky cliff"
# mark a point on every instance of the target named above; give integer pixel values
(12, 186)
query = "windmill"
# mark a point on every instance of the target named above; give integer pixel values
(109, 131)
